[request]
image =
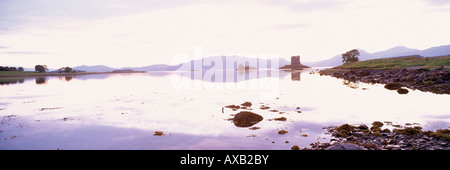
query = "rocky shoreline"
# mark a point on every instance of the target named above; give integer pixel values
(435, 80)
(361, 137)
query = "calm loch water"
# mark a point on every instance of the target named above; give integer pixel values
(123, 111)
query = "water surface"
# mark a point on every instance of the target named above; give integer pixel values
(122, 111)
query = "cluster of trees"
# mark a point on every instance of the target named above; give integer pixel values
(10, 68)
(43, 69)
(37, 68)
(65, 70)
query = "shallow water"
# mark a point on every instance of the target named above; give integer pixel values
(122, 111)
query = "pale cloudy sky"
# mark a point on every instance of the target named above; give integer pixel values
(121, 33)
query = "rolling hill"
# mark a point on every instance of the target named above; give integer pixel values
(228, 62)
(392, 52)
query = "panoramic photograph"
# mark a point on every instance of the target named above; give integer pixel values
(224, 75)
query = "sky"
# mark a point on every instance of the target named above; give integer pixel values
(123, 33)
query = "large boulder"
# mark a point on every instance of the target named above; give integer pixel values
(246, 119)
(393, 86)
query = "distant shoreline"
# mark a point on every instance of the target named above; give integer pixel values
(14, 74)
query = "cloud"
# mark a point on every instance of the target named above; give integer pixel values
(19, 14)
(306, 5)
(438, 2)
(439, 5)
(292, 26)
(139, 33)
(24, 52)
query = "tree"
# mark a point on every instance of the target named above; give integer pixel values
(40, 68)
(68, 70)
(350, 56)
(20, 69)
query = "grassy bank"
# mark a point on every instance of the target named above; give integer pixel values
(399, 63)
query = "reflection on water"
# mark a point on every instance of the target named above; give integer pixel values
(41, 80)
(122, 111)
(351, 84)
(68, 78)
(7, 81)
(215, 76)
(296, 76)
(224, 76)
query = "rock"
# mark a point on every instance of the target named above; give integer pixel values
(404, 138)
(159, 133)
(363, 127)
(345, 146)
(393, 86)
(282, 132)
(264, 107)
(246, 104)
(324, 145)
(402, 91)
(280, 119)
(234, 107)
(358, 134)
(246, 119)
(392, 147)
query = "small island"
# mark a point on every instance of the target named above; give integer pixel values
(295, 64)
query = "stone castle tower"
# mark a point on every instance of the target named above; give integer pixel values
(295, 60)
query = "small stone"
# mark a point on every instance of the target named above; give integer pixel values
(280, 119)
(392, 147)
(363, 127)
(402, 91)
(421, 140)
(295, 147)
(324, 145)
(158, 133)
(246, 104)
(282, 132)
(345, 146)
(358, 134)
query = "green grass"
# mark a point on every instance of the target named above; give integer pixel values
(399, 63)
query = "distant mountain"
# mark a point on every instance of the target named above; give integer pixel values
(228, 62)
(232, 62)
(96, 68)
(157, 67)
(435, 51)
(392, 52)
